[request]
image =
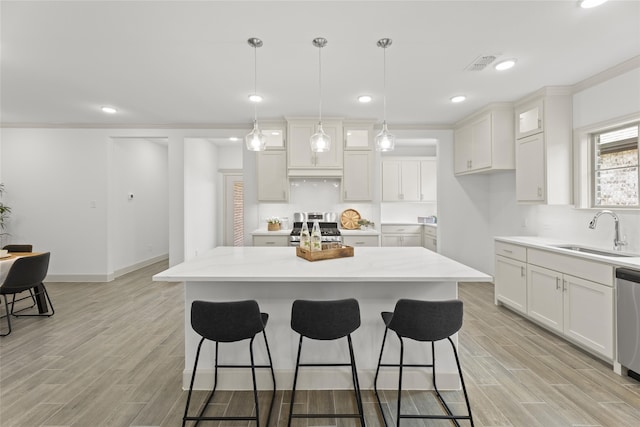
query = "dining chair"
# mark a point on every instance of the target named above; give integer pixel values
(24, 274)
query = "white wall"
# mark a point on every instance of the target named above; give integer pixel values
(201, 196)
(140, 225)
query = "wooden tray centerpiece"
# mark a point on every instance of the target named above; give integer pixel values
(326, 253)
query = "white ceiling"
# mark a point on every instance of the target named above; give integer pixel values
(182, 63)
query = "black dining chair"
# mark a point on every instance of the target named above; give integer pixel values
(25, 274)
(226, 322)
(326, 320)
(12, 248)
(424, 321)
(18, 248)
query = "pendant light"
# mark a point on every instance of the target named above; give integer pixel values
(320, 141)
(255, 140)
(384, 140)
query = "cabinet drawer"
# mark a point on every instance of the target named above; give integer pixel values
(401, 229)
(429, 231)
(360, 240)
(511, 251)
(270, 240)
(579, 267)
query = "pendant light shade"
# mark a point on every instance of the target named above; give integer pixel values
(255, 140)
(385, 141)
(320, 141)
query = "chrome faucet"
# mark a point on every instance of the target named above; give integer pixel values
(617, 242)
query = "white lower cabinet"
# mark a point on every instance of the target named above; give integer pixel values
(281, 240)
(360, 240)
(401, 235)
(430, 238)
(544, 286)
(511, 283)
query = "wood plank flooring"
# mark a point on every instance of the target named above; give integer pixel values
(112, 355)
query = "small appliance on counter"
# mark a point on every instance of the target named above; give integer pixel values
(427, 219)
(328, 227)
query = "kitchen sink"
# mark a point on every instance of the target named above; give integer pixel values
(577, 248)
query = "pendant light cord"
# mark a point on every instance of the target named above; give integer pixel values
(255, 83)
(320, 81)
(384, 84)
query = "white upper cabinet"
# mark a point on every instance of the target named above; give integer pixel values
(273, 184)
(301, 160)
(544, 134)
(409, 179)
(484, 141)
(358, 135)
(357, 180)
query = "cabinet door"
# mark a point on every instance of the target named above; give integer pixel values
(530, 119)
(357, 139)
(430, 242)
(544, 297)
(357, 176)
(588, 314)
(391, 181)
(333, 157)
(411, 240)
(410, 180)
(530, 169)
(272, 176)
(511, 283)
(462, 149)
(481, 137)
(299, 148)
(391, 241)
(428, 180)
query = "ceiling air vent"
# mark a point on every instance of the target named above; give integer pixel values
(480, 63)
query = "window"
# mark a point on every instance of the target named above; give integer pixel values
(615, 167)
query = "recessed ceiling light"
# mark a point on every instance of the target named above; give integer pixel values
(255, 98)
(588, 4)
(234, 138)
(364, 98)
(458, 98)
(108, 110)
(505, 65)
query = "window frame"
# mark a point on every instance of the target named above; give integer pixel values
(583, 158)
(593, 141)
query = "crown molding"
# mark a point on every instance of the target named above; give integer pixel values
(615, 71)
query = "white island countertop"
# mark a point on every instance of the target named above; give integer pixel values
(369, 264)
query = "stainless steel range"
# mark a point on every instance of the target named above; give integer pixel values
(328, 227)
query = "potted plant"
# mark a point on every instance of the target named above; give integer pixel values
(273, 224)
(365, 224)
(4, 215)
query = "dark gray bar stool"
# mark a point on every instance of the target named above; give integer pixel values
(229, 322)
(326, 320)
(424, 321)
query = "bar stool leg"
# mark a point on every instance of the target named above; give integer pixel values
(255, 384)
(273, 378)
(295, 379)
(193, 378)
(464, 389)
(356, 383)
(400, 379)
(375, 379)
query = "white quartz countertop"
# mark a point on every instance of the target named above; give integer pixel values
(286, 232)
(369, 264)
(369, 232)
(265, 232)
(549, 244)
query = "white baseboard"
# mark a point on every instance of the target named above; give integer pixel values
(101, 278)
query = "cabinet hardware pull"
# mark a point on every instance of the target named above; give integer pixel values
(270, 243)
(557, 283)
(522, 272)
(564, 285)
(508, 251)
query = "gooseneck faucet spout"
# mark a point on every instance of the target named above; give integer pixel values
(617, 242)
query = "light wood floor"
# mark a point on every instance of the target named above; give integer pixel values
(113, 356)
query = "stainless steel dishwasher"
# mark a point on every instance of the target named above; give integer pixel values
(628, 316)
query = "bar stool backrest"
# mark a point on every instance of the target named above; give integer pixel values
(25, 273)
(226, 321)
(426, 320)
(325, 320)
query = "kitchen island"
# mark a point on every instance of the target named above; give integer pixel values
(377, 277)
